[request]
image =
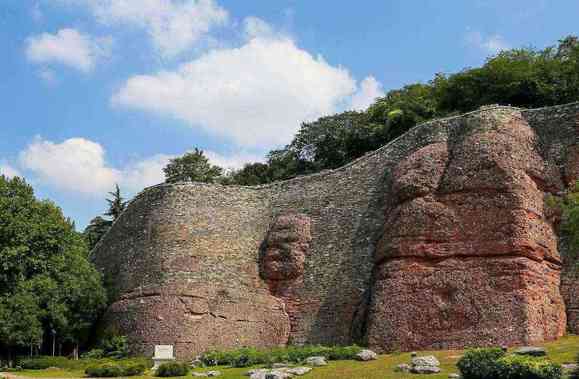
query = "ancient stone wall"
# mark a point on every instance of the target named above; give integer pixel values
(444, 228)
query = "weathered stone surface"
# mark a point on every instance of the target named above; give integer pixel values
(531, 350)
(298, 371)
(402, 367)
(366, 355)
(316, 361)
(427, 364)
(469, 257)
(439, 239)
(427, 360)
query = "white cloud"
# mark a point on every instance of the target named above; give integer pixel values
(75, 165)
(68, 47)
(256, 94)
(144, 173)
(8, 171)
(173, 25)
(368, 91)
(79, 165)
(232, 161)
(492, 44)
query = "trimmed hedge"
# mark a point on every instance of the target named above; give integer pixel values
(524, 367)
(480, 363)
(44, 362)
(246, 357)
(171, 369)
(112, 370)
(493, 363)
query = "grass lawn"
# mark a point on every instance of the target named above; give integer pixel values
(562, 351)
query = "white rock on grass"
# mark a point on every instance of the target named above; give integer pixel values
(298, 371)
(427, 364)
(366, 355)
(316, 361)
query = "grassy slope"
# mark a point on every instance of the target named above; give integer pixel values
(561, 351)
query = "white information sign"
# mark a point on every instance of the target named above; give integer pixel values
(164, 352)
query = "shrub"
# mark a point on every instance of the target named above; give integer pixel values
(248, 356)
(523, 367)
(107, 370)
(171, 369)
(43, 362)
(94, 354)
(480, 363)
(111, 370)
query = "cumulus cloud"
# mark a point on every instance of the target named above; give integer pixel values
(8, 171)
(68, 47)
(492, 44)
(172, 25)
(144, 173)
(255, 95)
(76, 164)
(232, 161)
(368, 91)
(79, 165)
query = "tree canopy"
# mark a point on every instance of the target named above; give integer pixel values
(192, 166)
(519, 77)
(46, 280)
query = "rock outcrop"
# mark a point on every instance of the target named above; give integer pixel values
(468, 253)
(441, 239)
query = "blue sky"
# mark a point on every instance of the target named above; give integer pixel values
(97, 92)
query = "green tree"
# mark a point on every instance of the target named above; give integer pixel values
(193, 166)
(46, 280)
(116, 204)
(94, 231)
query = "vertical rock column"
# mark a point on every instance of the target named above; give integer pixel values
(468, 257)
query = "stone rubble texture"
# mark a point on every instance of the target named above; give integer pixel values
(441, 239)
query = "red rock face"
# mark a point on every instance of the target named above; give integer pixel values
(282, 263)
(198, 319)
(287, 244)
(468, 257)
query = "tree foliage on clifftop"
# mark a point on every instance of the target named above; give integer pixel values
(525, 78)
(47, 284)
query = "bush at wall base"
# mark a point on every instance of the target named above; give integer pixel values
(495, 364)
(172, 369)
(112, 370)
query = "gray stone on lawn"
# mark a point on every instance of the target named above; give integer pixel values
(569, 367)
(213, 373)
(276, 374)
(316, 361)
(403, 367)
(425, 369)
(453, 376)
(427, 364)
(427, 360)
(531, 350)
(257, 373)
(298, 371)
(366, 355)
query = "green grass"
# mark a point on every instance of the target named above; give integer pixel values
(562, 351)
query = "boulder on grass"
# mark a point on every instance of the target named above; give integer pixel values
(316, 361)
(366, 355)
